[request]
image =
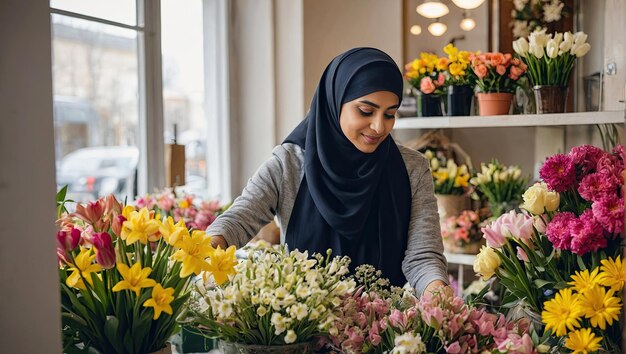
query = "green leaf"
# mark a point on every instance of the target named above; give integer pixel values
(111, 330)
(540, 283)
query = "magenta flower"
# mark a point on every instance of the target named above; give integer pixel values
(609, 211)
(67, 240)
(586, 157)
(559, 230)
(559, 172)
(587, 234)
(596, 185)
(105, 253)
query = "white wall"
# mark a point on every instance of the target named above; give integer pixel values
(615, 51)
(29, 300)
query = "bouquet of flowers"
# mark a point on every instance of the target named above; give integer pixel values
(529, 15)
(449, 178)
(550, 58)
(426, 74)
(196, 215)
(457, 68)
(461, 231)
(273, 298)
(124, 275)
(501, 185)
(497, 72)
(576, 218)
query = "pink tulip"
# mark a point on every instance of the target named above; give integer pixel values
(518, 226)
(116, 225)
(90, 213)
(493, 234)
(426, 85)
(67, 240)
(397, 319)
(521, 255)
(105, 253)
(111, 206)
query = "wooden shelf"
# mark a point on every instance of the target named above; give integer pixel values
(456, 258)
(521, 120)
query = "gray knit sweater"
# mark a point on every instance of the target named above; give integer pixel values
(273, 189)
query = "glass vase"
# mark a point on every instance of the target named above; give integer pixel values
(459, 100)
(550, 99)
(239, 348)
(499, 208)
(428, 105)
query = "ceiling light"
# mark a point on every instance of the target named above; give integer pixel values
(437, 29)
(468, 24)
(432, 9)
(416, 29)
(468, 4)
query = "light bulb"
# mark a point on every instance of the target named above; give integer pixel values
(437, 29)
(468, 4)
(468, 24)
(432, 9)
(416, 29)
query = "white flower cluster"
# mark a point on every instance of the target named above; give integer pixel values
(408, 343)
(539, 44)
(530, 15)
(493, 172)
(282, 293)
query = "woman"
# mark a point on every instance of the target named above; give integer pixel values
(340, 181)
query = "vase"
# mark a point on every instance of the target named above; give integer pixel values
(238, 348)
(459, 100)
(428, 105)
(494, 103)
(451, 205)
(550, 99)
(450, 245)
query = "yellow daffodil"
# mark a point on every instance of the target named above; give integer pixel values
(615, 274)
(562, 313)
(173, 233)
(160, 301)
(222, 263)
(600, 306)
(139, 227)
(583, 341)
(127, 211)
(461, 180)
(583, 280)
(135, 278)
(193, 251)
(441, 176)
(464, 57)
(456, 69)
(442, 64)
(83, 265)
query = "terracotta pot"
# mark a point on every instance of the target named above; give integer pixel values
(492, 104)
(238, 348)
(451, 205)
(550, 99)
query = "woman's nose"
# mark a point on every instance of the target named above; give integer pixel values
(377, 124)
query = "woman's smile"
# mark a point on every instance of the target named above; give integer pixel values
(371, 139)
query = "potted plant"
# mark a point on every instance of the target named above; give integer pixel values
(497, 76)
(124, 275)
(451, 184)
(550, 60)
(461, 234)
(460, 81)
(276, 301)
(427, 79)
(501, 185)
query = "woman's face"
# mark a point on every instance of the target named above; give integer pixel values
(367, 120)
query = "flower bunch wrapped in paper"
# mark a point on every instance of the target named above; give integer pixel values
(426, 74)
(569, 237)
(196, 214)
(501, 185)
(448, 177)
(124, 275)
(274, 297)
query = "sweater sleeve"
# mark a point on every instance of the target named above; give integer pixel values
(254, 208)
(424, 261)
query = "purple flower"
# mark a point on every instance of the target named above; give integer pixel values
(587, 234)
(586, 157)
(609, 211)
(559, 230)
(559, 172)
(597, 185)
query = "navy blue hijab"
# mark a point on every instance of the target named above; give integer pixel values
(358, 204)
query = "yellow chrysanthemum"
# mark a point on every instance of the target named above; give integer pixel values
(193, 251)
(583, 341)
(583, 280)
(600, 306)
(83, 265)
(134, 278)
(615, 273)
(173, 233)
(562, 313)
(160, 301)
(139, 227)
(222, 263)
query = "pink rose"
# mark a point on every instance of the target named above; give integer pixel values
(481, 71)
(501, 69)
(426, 85)
(441, 79)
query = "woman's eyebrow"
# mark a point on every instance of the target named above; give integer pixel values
(377, 106)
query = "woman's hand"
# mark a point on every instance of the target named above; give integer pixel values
(218, 241)
(439, 285)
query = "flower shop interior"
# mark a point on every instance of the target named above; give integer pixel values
(158, 112)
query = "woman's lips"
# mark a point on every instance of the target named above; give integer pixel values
(371, 139)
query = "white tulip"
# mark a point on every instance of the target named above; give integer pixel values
(582, 50)
(580, 37)
(539, 38)
(552, 49)
(536, 50)
(566, 45)
(558, 38)
(520, 47)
